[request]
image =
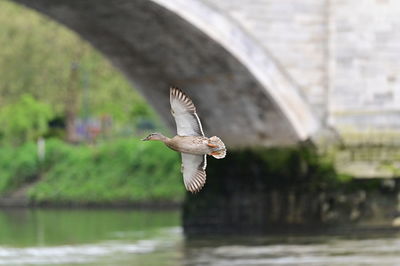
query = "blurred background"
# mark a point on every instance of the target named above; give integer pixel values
(305, 93)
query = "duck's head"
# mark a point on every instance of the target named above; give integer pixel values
(154, 136)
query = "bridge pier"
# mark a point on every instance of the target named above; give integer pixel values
(275, 190)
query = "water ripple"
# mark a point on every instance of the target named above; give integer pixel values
(335, 252)
(72, 254)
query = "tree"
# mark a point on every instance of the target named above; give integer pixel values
(24, 120)
(36, 59)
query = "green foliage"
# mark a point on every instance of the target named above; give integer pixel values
(17, 166)
(38, 83)
(36, 56)
(24, 120)
(122, 170)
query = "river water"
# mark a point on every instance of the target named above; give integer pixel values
(154, 238)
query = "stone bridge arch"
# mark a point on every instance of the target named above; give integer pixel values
(241, 93)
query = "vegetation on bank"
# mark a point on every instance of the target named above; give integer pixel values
(55, 86)
(123, 170)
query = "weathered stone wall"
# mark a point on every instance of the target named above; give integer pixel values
(344, 57)
(343, 54)
(365, 81)
(272, 191)
(295, 34)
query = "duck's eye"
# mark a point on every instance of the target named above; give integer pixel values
(172, 111)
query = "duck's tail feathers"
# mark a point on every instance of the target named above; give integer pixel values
(220, 151)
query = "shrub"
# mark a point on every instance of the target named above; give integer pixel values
(121, 170)
(17, 166)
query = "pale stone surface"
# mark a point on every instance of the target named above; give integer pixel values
(343, 54)
(365, 83)
(295, 34)
(396, 222)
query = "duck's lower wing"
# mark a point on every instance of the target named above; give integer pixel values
(193, 169)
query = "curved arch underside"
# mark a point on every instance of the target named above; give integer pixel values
(155, 48)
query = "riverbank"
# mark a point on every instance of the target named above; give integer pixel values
(122, 172)
(24, 202)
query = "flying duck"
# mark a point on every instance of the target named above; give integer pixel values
(190, 141)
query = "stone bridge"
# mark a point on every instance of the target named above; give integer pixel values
(261, 72)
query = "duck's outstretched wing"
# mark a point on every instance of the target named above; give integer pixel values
(194, 171)
(184, 112)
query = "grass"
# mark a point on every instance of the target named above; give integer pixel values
(119, 171)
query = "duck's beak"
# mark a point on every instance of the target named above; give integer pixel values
(146, 138)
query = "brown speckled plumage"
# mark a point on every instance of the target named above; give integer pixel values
(190, 141)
